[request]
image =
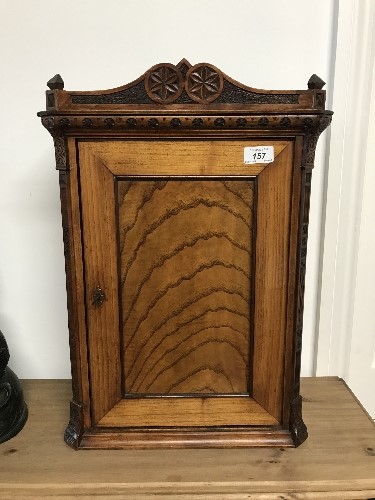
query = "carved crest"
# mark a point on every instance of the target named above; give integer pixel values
(199, 84)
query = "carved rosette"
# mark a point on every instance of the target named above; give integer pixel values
(164, 83)
(204, 83)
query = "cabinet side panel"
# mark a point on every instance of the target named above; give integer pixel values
(271, 281)
(291, 339)
(101, 273)
(71, 221)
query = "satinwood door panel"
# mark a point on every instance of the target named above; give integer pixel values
(189, 249)
(185, 261)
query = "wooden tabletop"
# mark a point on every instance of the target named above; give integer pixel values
(336, 462)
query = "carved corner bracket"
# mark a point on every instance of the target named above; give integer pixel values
(59, 141)
(74, 430)
(311, 140)
(297, 427)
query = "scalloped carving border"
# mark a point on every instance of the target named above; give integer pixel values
(312, 125)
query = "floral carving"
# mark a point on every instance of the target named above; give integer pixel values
(204, 83)
(197, 122)
(263, 122)
(175, 122)
(308, 122)
(310, 125)
(58, 140)
(219, 122)
(60, 152)
(241, 122)
(64, 122)
(311, 140)
(131, 122)
(48, 122)
(87, 122)
(185, 84)
(164, 83)
(285, 122)
(109, 122)
(153, 122)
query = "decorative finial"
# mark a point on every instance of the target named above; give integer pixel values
(315, 82)
(56, 83)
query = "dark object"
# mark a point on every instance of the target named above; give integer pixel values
(13, 409)
(98, 297)
(201, 253)
(56, 83)
(315, 82)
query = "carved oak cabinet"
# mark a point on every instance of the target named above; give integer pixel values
(185, 203)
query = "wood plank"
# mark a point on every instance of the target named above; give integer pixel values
(185, 412)
(336, 462)
(183, 491)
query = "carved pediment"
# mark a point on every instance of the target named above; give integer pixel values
(186, 84)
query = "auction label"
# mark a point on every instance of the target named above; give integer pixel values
(258, 154)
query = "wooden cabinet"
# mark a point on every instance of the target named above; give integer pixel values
(185, 200)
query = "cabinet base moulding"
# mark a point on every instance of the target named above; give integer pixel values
(164, 439)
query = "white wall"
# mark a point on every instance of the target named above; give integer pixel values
(97, 45)
(346, 321)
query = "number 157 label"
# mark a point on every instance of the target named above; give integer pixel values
(258, 154)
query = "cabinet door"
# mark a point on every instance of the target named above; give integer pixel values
(187, 255)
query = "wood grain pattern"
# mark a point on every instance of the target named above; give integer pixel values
(186, 251)
(98, 215)
(181, 157)
(71, 215)
(336, 462)
(185, 261)
(187, 412)
(290, 337)
(271, 281)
